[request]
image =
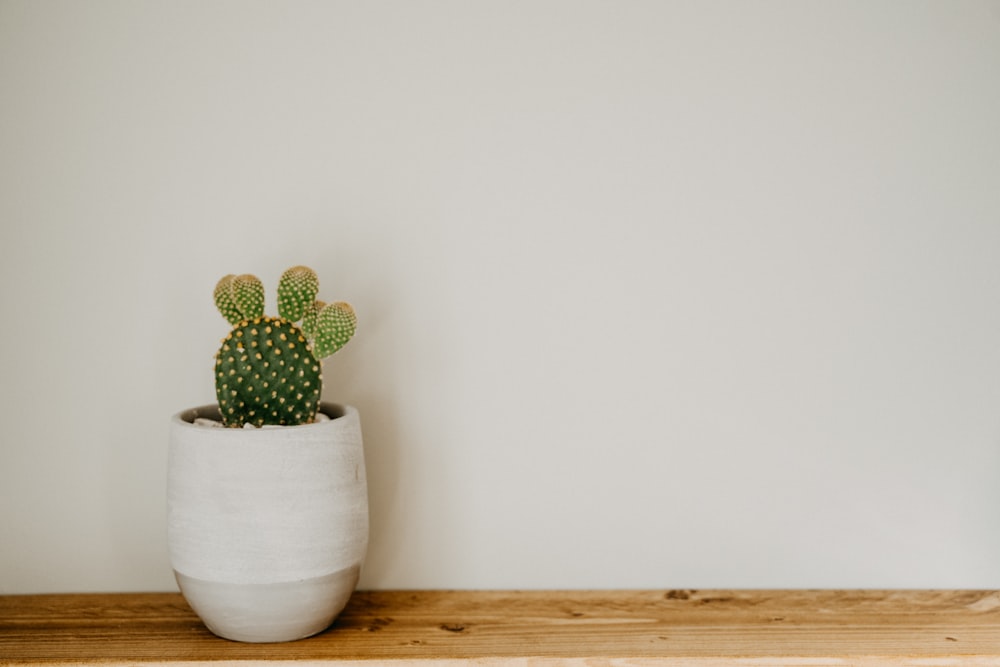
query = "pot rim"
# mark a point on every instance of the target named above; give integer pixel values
(185, 418)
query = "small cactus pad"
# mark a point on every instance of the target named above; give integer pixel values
(297, 290)
(267, 374)
(310, 317)
(224, 300)
(248, 295)
(335, 325)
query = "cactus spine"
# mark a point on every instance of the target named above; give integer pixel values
(268, 370)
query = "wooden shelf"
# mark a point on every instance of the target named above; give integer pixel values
(528, 628)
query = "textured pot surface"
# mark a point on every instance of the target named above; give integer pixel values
(267, 528)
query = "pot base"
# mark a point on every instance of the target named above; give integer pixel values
(262, 613)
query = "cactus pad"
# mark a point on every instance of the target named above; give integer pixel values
(266, 374)
(248, 295)
(224, 300)
(309, 319)
(297, 290)
(335, 325)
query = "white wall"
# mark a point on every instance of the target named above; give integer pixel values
(651, 293)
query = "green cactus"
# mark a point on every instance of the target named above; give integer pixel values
(268, 370)
(248, 295)
(297, 291)
(224, 300)
(335, 325)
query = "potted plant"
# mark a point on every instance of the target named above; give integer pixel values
(267, 505)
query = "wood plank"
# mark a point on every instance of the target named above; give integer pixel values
(530, 628)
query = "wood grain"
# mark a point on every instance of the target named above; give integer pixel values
(531, 628)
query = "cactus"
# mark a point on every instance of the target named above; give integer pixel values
(268, 370)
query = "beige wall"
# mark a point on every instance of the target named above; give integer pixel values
(651, 293)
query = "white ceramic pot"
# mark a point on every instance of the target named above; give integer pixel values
(267, 528)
